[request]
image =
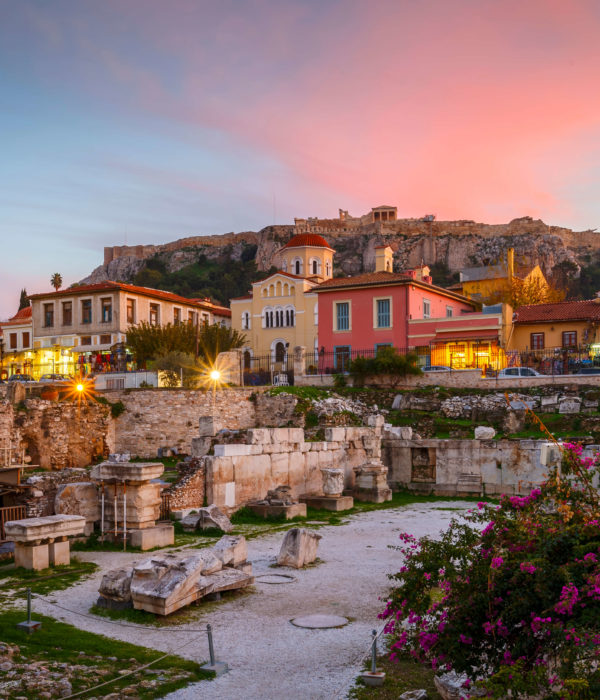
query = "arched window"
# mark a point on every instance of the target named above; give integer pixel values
(291, 317)
(297, 266)
(315, 267)
(279, 352)
(284, 265)
(287, 317)
(271, 324)
(328, 268)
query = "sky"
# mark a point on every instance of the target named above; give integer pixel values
(146, 121)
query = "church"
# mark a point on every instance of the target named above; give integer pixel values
(281, 313)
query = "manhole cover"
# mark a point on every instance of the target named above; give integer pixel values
(319, 622)
(275, 578)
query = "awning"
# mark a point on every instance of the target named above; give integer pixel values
(105, 347)
(473, 336)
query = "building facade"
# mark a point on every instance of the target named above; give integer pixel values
(281, 313)
(84, 328)
(16, 344)
(406, 310)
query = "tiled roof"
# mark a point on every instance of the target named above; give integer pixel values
(588, 310)
(22, 316)
(131, 288)
(246, 296)
(366, 278)
(310, 239)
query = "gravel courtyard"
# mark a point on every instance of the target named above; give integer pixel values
(268, 657)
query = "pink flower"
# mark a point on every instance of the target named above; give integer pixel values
(527, 568)
(497, 562)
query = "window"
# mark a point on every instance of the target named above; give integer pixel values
(130, 310)
(86, 311)
(378, 346)
(297, 266)
(48, 315)
(512, 372)
(316, 314)
(449, 312)
(246, 320)
(106, 305)
(105, 339)
(67, 313)
(569, 339)
(154, 314)
(383, 313)
(342, 315)
(176, 316)
(426, 308)
(26, 339)
(192, 317)
(13, 341)
(206, 318)
(86, 340)
(537, 341)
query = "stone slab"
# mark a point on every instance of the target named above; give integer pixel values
(158, 536)
(373, 495)
(332, 503)
(319, 621)
(289, 512)
(50, 527)
(120, 472)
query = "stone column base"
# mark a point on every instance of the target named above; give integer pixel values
(34, 557)
(60, 553)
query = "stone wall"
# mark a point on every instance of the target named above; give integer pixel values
(169, 417)
(467, 467)
(238, 473)
(471, 379)
(189, 491)
(39, 500)
(56, 435)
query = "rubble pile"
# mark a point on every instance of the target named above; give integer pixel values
(165, 583)
(332, 405)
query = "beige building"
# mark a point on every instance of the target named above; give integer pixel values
(80, 325)
(16, 344)
(282, 312)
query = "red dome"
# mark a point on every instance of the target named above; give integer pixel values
(302, 239)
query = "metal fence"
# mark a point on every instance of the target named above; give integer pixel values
(553, 361)
(165, 506)
(338, 361)
(261, 370)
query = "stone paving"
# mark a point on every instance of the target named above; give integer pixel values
(267, 655)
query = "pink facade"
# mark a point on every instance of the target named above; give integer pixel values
(384, 313)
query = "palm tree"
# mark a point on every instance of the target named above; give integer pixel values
(56, 281)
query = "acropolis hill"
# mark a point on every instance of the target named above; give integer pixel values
(455, 244)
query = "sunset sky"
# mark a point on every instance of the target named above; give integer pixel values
(145, 121)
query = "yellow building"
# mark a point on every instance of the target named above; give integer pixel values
(282, 312)
(491, 284)
(560, 326)
(16, 344)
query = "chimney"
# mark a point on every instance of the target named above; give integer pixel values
(384, 258)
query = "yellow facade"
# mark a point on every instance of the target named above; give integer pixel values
(282, 313)
(553, 335)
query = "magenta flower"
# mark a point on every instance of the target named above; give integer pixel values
(497, 562)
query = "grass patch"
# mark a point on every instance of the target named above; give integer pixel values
(17, 581)
(302, 392)
(102, 658)
(401, 675)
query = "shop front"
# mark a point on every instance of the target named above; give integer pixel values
(468, 350)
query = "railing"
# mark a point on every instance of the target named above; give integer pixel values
(10, 513)
(165, 506)
(261, 370)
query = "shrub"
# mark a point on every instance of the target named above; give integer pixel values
(117, 408)
(339, 381)
(387, 362)
(511, 595)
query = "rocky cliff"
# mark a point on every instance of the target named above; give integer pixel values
(452, 244)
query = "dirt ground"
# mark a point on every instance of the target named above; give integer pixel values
(268, 657)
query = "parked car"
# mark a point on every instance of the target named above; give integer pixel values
(437, 368)
(51, 378)
(21, 378)
(588, 370)
(518, 372)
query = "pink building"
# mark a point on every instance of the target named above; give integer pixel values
(358, 315)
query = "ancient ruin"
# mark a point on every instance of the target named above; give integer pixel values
(43, 542)
(165, 583)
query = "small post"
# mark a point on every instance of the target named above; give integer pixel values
(218, 667)
(374, 652)
(211, 649)
(30, 625)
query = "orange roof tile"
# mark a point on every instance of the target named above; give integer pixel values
(308, 239)
(588, 310)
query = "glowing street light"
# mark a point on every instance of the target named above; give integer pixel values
(215, 375)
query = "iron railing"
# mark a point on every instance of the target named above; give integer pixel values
(10, 513)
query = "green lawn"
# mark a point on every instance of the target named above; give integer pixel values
(98, 658)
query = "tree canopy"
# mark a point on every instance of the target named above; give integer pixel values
(148, 342)
(24, 300)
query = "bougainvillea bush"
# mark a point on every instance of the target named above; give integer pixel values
(510, 594)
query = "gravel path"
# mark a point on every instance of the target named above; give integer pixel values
(269, 657)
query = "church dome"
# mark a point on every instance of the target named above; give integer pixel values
(307, 239)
